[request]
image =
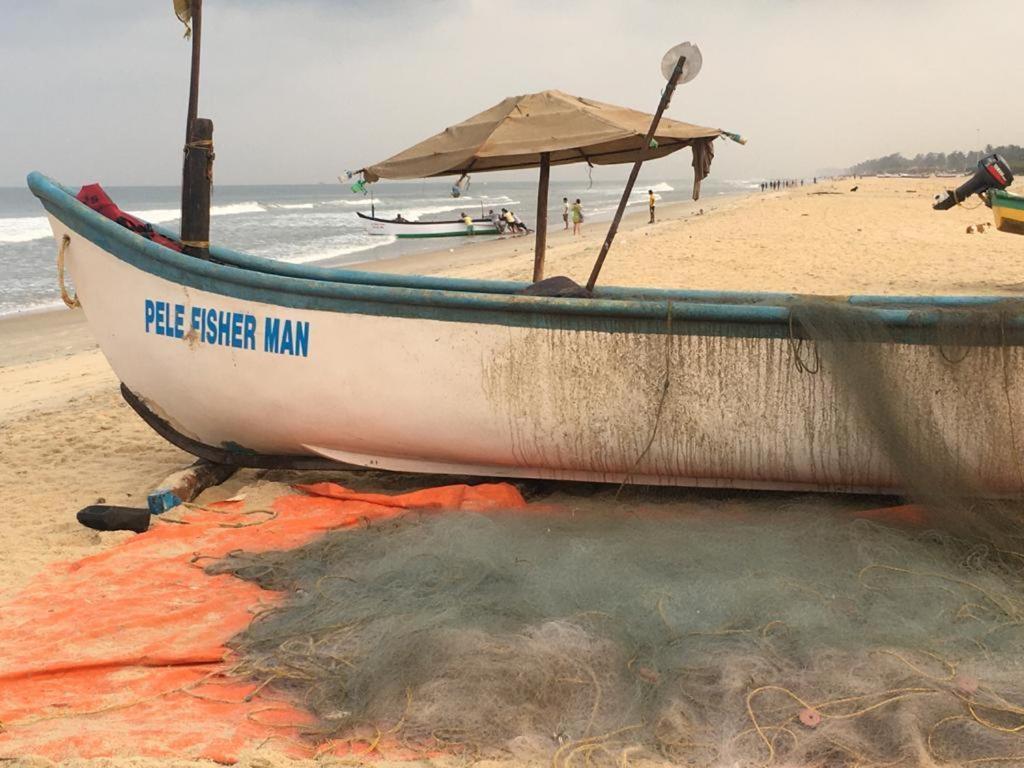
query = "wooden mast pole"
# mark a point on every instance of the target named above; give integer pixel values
(542, 217)
(666, 97)
(197, 170)
(196, 8)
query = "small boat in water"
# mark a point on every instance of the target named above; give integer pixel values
(403, 228)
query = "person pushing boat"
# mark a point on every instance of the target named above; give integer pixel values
(510, 221)
(496, 221)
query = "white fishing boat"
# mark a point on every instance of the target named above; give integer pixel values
(260, 363)
(403, 228)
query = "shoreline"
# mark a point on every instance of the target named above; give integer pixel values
(37, 334)
(817, 239)
(41, 334)
(473, 253)
(796, 240)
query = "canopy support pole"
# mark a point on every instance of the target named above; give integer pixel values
(197, 169)
(666, 97)
(196, 7)
(541, 236)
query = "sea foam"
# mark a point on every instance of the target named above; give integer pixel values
(24, 229)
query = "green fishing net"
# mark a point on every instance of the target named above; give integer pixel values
(688, 628)
(696, 636)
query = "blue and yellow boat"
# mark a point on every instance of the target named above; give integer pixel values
(1008, 211)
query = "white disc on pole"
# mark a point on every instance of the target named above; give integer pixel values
(690, 68)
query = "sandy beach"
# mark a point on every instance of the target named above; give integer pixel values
(817, 239)
(68, 440)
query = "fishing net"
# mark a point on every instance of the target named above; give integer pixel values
(939, 395)
(674, 627)
(723, 633)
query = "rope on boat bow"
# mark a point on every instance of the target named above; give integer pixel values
(70, 300)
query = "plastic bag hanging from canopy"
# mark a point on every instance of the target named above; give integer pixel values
(183, 10)
(461, 186)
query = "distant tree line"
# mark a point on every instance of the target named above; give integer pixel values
(939, 162)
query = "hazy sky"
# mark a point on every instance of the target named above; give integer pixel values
(299, 90)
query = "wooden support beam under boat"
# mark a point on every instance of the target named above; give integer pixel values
(666, 97)
(542, 217)
(183, 486)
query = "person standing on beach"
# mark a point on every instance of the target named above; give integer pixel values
(468, 221)
(565, 212)
(650, 204)
(577, 217)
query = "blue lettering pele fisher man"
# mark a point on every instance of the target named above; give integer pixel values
(225, 328)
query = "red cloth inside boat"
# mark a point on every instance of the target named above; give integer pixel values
(122, 653)
(96, 198)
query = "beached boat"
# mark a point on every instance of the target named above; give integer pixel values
(1008, 211)
(263, 363)
(454, 228)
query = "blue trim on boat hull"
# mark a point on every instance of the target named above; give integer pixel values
(614, 310)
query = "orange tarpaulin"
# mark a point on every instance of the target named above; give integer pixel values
(122, 653)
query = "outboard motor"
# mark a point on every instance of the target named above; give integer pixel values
(993, 173)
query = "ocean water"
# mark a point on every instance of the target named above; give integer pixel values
(308, 224)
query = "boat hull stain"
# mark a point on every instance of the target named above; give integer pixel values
(739, 412)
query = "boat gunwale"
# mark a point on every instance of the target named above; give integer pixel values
(443, 298)
(1000, 198)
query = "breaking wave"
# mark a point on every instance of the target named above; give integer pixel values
(24, 229)
(326, 249)
(287, 206)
